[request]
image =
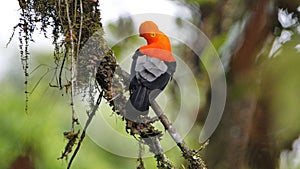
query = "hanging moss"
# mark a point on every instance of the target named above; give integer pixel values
(80, 17)
(72, 24)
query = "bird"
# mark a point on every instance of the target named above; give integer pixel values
(153, 66)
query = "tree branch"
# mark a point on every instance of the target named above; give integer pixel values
(168, 126)
(157, 150)
(191, 155)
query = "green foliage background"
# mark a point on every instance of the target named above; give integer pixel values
(40, 132)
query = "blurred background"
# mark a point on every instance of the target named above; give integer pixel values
(258, 42)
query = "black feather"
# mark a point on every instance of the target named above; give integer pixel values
(142, 91)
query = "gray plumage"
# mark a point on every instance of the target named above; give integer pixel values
(149, 68)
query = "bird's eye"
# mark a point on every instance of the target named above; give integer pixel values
(152, 35)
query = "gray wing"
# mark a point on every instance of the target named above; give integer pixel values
(149, 68)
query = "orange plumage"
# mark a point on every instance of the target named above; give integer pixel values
(158, 44)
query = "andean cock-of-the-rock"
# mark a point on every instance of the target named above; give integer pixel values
(152, 67)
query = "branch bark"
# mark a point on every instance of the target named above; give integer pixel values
(195, 161)
(171, 130)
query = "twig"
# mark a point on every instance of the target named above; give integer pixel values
(75, 10)
(80, 29)
(73, 64)
(87, 123)
(13, 33)
(61, 69)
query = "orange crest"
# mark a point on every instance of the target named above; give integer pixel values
(158, 44)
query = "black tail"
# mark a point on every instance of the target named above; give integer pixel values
(140, 98)
(138, 103)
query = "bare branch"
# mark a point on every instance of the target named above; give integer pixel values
(191, 155)
(73, 66)
(168, 126)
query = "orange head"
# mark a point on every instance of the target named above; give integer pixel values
(158, 44)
